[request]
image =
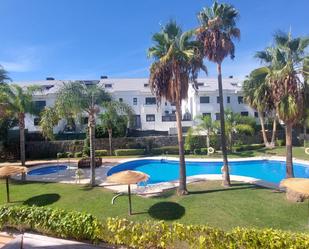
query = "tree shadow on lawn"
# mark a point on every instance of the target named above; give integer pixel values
(42, 200)
(235, 186)
(166, 211)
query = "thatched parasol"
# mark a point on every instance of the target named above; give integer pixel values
(6, 172)
(128, 177)
(298, 185)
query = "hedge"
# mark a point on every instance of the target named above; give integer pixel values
(78, 154)
(101, 153)
(157, 151)
(248, 147)
(170, 149)
(129, 152)
(148, 234)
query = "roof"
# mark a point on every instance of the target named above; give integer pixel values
(132, 84)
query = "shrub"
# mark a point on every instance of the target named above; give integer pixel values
(197, 151)
(157, 151)
(61, 155)
(134, 145)
(245, 129)
(193, 142)
(280, 142)
(215, 141)
(101, 153)
(78, 154)
(248, 147)
(129, 152)
(146, 234)
(86, 147)
(69, 154)
(204, 151)
(170, 149)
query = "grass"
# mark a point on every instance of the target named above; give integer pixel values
(242, 205)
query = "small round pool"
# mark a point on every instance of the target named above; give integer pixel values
(47, 170)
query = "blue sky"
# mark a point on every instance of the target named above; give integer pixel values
(83, 39)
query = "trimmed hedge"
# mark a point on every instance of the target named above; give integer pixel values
(148, 234)
(78, 154)
(129, 152)
(157, 151)
(101, 153)
(170, 149)
(248, 147)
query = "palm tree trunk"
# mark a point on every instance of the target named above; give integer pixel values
(225, 169)
(91, 126)
(265, 140)
(305, 134)
(182, 189)
(274, 133)
(110, 133)
(21, 122)
(289, 155)
(207, 140)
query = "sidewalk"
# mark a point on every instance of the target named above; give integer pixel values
(31, 241)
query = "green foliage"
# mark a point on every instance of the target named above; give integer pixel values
(61, 155)
(49, 119)
(204, 151)
(193, 142)
(244, 129)
(5, 125)
(134, 145)
(147, 234)
(129, 152)
(248, 147)
(86, 147)
(157, 151)
(69, 154)
(78, 154)
(170, 150)
(197, 152)
(280, 142)
(99, 153)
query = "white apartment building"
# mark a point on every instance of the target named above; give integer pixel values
(148, 115)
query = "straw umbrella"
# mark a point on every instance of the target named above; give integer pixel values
(128, 177)
(6, 172)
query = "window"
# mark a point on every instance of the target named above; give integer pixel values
(207, 114)
(150, 118)
(36, 121)
(218, 99)
(120, 99)
(204, 100)
(40, 105)
(108, 85)
(228, 99)
(85, 120)
(146, 85)
(173, 111)
(256, 114)
(244, 113)
(217, 116)
(240, 99)
(166, 112)
(134, 101)
(150, 101)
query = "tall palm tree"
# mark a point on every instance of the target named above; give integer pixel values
(217, 31)
(177, 59)
(74, 99)
(257, 94)
(286, 58)
(306, 96)
(18, 101)
(114, 111)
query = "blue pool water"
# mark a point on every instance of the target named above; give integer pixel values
(165, 170)
(47, 170)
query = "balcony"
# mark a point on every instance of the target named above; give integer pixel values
(172, 117)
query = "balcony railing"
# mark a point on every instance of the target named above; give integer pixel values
(172, 118)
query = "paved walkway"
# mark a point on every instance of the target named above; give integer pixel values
(31, 241)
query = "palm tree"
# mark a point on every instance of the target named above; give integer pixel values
(217, 31)
(257, 94)
(18, 102)
(206, 124)
(177, 59)
(74, 99)
(114, 111)
(306, 96)
(4, 78)
(285, 58)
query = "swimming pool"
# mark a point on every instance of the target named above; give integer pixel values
(168, 170)
(47, 170)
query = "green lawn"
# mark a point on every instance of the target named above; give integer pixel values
(208, 203)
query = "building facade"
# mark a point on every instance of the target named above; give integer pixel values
(148, 115)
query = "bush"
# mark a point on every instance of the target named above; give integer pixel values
(78, 154)
(280, 142)
(245, 129)
(101, 153)
(129, 152)
(157, 151)
(146, 234)
(248, 147)
(134, 145)
(170, 149)
(197, 151)
(204, 151)
(193, 142)
(69, 155)
(86, 147)
(61, 155)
